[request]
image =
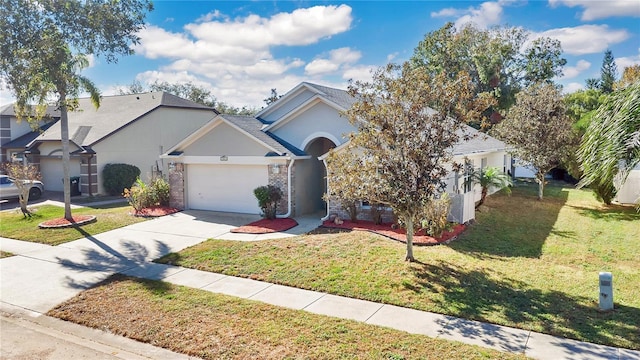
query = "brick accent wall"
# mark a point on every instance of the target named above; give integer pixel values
(89, 166)
(176, 187)
(281, 180)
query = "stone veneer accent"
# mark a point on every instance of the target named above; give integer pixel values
(176, 187)
(335, 208)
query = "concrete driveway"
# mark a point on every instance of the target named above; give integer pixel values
(41, 276)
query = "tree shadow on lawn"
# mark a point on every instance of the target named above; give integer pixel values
(514, 226)
(610, 213)
(133, 258)
(484, 296)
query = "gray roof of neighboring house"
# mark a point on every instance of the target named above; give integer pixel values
(254, 127)
(88, 125)
(24, 140)
(9, 110)
(338, 96)
(480, 142)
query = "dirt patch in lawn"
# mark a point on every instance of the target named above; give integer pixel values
(78, 220)
(266, 226)
(156, 211)
(385, 229)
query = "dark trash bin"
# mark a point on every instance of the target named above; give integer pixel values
(75, 185)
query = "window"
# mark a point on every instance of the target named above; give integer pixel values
(483, 163)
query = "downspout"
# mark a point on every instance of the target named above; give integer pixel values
(326, 217)
(289, 209)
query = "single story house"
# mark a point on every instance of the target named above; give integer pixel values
(218, 166)
(133, 129)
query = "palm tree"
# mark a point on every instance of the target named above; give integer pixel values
(491, 177)
(611, 145)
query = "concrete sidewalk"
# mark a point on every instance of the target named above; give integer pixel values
(42, 276)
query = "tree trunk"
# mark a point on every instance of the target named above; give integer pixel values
(24, 201)
(66, 158)
(540, 180)
(482, 197)
(409, 222)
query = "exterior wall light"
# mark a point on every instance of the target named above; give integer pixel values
(275, 169)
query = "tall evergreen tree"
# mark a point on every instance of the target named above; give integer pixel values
(608, 73)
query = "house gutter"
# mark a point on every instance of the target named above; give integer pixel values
(289, 210)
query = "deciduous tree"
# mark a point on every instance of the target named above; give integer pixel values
(538, 129)
(23, 176)
(408, 121)
(43, 48)
(630, 76)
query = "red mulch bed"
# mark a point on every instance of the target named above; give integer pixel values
(63, 223)
(156, 211)
(266, 226)
(419, 238)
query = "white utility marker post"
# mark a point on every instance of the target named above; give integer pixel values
(606, 291)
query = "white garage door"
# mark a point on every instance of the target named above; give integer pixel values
(52, 174)
(225, 187)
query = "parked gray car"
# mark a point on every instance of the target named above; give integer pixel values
(9, 190)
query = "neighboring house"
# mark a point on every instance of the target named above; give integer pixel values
(16, 134)
(218, 166)
(629, 192)
(132, 129)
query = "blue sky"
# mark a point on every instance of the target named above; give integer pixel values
(240, 50)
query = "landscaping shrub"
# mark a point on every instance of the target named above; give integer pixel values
(117, 177)
(142, 195)
(268, 198)
(435, 215)
(377, 211)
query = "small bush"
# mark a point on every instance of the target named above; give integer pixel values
(141, 195)
(377, 211)
(268, 198)
(435, 215)
(117, 177)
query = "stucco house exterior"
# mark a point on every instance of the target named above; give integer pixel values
(218, 166)
(132, 129)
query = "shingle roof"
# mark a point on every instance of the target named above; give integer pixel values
(24, 140)
(254, 127)
(338, 96)
(9, 110)
(88, 125)
(480, 142)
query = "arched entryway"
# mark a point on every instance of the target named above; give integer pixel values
(311, 178)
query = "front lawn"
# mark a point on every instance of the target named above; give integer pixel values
(525, 263)
(213, 326)
(13, 225)
(4, 254)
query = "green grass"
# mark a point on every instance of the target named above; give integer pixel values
(4, 254)
(13, 225)
(214, 326)
(525, 263)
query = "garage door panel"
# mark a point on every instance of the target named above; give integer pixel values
(225, 187)
(52, 173)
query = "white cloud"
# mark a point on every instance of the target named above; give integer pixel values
(627, 61)
(601, 9)
(209, 16)
(232, 55)
(361, 72)
(572, 87)
(483, 16)
(573, 71)
(586, 39)
(392, 57)
(338, 58)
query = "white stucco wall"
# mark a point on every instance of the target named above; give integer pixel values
(629, 192)
(320, 120)
(142, 142)
(19, 128)
(223, 139)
